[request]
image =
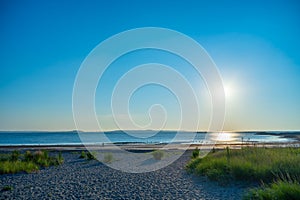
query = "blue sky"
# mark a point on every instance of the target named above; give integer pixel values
(255, 45)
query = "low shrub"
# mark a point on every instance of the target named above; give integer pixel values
(82, 155)
(195, 153)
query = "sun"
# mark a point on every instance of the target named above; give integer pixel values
(229, 90)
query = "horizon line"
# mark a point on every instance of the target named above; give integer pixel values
(166, 130)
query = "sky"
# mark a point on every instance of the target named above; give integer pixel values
(254, 44)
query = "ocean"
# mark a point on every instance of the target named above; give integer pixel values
(146, 137)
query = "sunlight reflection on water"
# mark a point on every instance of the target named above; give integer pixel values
(225, 136)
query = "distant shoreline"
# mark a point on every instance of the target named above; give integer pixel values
(292, 136)
(130, 146)
(263, 132)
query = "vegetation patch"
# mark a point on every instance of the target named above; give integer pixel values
(196, 153)
(91, 155)
(27, 162)
(7, 188)
(158, 154)
(254, 164)
(82, 154)
(277, 168)
(283, 190)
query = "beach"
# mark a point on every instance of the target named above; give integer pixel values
(82, 179)
(79, 178)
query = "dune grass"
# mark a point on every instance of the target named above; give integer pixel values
(249, 164)
(196, 153)
(91, 155)
(277, 168)
(27, 162)
(283, 190)
(82, 154)
(11, 167)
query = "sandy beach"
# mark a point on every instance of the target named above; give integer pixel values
(79, 178)
(82, 179)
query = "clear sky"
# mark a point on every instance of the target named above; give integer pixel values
(255, 44)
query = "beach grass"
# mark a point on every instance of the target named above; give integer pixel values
(91, 155)
(11, 167)
(82, 154)
(249, 164)
(277, 169)
(283, 190)
(196, 153)
(27, 162)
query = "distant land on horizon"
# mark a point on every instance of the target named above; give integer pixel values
(271, 132)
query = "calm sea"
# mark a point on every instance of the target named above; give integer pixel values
(72, 137)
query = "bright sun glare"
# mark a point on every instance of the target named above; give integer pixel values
(224, 136)
(229, 91)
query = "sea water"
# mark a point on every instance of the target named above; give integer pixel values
(146, 137)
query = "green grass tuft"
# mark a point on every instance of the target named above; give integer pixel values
(282, 190)
(59, 159)
(249, 164)
(196, 153)
(82, 154)
(15, 155)
(91, 155)
(7, 188)
(28, 162)
(12, 167)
